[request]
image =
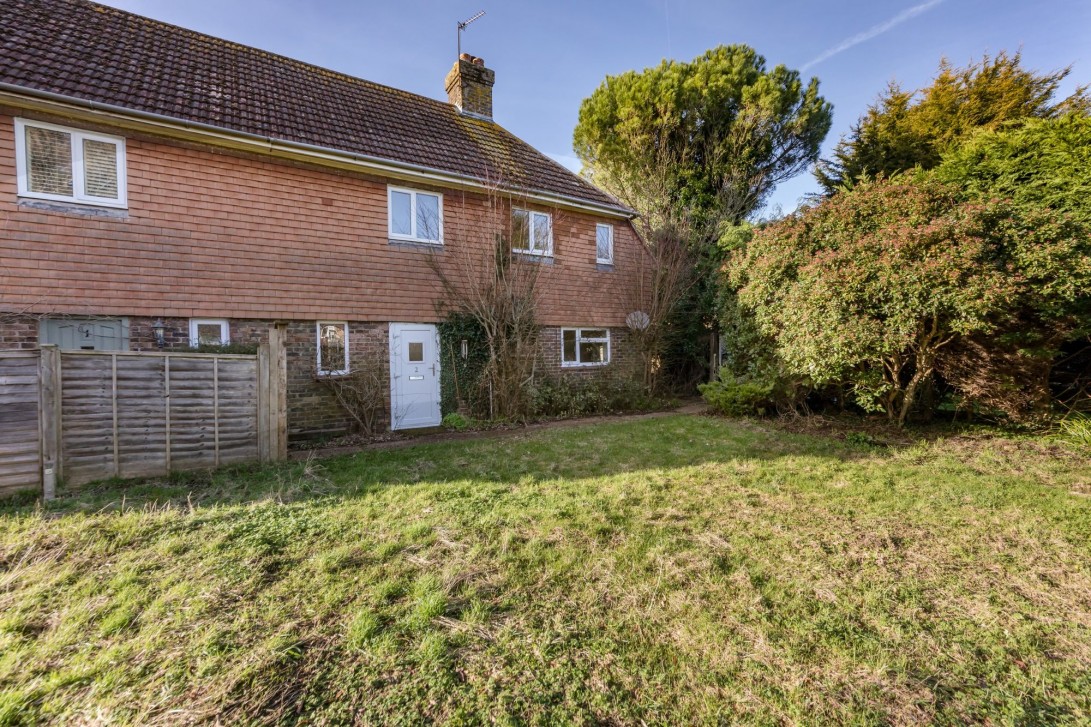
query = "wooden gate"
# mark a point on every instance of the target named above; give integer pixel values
(90, 415)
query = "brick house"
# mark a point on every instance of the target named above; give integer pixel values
(160, 188)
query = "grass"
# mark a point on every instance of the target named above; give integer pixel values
(667, 570)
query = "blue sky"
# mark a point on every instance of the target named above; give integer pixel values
(548, 56)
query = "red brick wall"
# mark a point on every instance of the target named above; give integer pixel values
(313, 410)
(211, 233)
(624, 358)
(18, 331)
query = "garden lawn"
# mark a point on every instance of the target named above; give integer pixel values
(666, 570)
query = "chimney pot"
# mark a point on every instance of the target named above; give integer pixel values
(469, 86)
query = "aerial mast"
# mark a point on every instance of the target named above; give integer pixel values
(462, 27)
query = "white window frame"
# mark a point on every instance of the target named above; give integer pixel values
(580, 338)
(609, 228)
(78, 194)
(225, 330)
(318, 348)
(548, 252)
(412, 237)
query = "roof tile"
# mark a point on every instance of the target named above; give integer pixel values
(102, 54)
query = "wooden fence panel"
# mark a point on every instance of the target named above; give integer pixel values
(87, 417)
(140, 431)
(147, 414)
(20, 436)
(193, 412)
(91, 415)
(238, 410)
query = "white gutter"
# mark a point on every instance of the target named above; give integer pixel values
(60, 103)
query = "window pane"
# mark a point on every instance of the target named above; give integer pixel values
(416, 352)
(401, 214)
(520, 238)
(427, 217)
(604, 235)
(592, 352)
(331, 350)
(593, 333)
(209, 334)
(541, 233)
(568, 347)
(100, 168)
(49, 161)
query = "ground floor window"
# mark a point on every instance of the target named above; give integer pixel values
(209, 332)
(333, 348)
(585, 346)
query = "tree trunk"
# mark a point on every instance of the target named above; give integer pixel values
(923, 375)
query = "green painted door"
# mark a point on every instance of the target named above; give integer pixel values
(87, 334)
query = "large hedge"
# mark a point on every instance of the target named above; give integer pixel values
(877, 286)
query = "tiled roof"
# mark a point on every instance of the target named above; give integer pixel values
(97, 53)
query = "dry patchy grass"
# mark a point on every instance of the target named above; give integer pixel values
(674, 570)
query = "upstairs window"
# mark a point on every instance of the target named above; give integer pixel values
(333, 349)
(415, 216)
(585, 346)
(69, 165)
(531, 232)
(208, 332)
(604, 244)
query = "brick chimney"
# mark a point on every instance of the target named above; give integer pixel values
(469, 86)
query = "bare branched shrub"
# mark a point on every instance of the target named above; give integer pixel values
(362, 392)
(667, 272)
(671, 237)
(485, 277)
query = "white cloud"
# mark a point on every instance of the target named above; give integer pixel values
(871, 32)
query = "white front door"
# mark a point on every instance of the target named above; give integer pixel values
(414, 376)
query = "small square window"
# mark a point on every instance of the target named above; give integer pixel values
(415, 216)
(69, 165)
(333, 349)
(416, 352)
(585, 346)
(604, 244)
(208, 332)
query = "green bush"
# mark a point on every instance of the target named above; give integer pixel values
(862, 440)
(227, 348)
(739, 395)
(462, 383)
(569, 396)
(456, 421)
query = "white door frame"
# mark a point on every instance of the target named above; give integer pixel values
(427, 368)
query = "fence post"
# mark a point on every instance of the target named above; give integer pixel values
(264, 445)
(49, 409)
(273, 396)
(282, 391)
(278, 379)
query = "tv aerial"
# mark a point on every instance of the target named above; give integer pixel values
(462, 26)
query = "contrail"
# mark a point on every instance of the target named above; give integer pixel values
(872, 32)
